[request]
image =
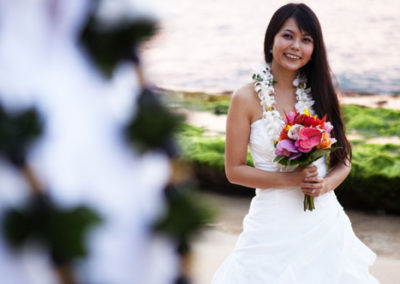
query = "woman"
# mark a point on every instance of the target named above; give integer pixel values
(280, 242)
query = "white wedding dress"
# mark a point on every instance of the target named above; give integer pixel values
(283, 244)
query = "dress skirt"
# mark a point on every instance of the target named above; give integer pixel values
(283, 244)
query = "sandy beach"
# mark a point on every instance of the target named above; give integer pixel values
(379, 232)
(370, 100)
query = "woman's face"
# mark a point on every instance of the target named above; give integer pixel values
(292, 49)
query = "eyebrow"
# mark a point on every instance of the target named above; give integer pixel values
(303, 34)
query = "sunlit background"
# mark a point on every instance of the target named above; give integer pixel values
(213, 45)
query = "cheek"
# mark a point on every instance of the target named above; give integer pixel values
(279, 44)
(308, 51)
(279, 47)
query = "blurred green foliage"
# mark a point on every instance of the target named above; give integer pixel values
(108, 43)
(214, 103)
(18, 130)
(371, 122)
(203, 150)
(185, 216)
(153, 126)
(374, 181)
(376, 160)
(62, 231)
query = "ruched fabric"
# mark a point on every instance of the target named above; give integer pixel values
(283, 244)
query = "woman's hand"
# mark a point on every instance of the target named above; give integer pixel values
(309, 181)
(302, 173)
(314, 185)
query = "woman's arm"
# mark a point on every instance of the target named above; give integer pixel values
(240, 116)
(331, 181)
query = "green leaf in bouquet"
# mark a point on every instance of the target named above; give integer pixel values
(282, 160)
(333, 149)
(294, 162)
(313, 156)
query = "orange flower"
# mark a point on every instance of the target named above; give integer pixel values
(326, 142)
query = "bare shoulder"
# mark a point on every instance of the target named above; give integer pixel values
(245, 93)
(246, 100)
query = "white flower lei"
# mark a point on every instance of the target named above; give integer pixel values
(264, 86)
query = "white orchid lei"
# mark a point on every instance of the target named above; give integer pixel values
(264, 86)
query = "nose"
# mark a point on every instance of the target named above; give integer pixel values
(295, 44)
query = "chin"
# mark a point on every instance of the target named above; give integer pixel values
(292, 67)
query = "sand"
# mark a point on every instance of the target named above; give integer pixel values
(370, 100)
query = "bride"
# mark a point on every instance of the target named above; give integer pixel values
(280, 242)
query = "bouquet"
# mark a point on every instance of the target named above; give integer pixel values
(303, 140)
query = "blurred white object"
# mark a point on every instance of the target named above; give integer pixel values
(81, 157)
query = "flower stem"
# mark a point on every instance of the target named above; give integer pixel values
(308, 203)
(312, 203)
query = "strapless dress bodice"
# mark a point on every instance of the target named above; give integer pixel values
(262, 151)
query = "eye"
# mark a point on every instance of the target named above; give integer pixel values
(307, 39)
(287, 35)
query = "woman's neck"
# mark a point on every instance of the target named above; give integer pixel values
(283, 77)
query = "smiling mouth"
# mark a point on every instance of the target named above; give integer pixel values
(291, 56)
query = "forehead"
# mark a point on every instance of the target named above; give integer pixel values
(291, 25)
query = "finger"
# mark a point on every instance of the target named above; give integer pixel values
(310, 186)
(313, 179)
(311, 167)
(312, 170)
(307, 185)
(310, 192)
(314, 192)
(312, 189)
(311, 174)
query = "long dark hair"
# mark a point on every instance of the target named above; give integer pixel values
(317, 72)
